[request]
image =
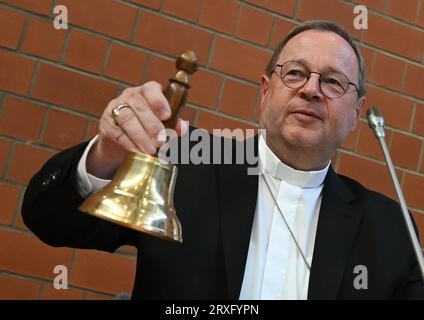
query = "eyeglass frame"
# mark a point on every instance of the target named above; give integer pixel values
(309, 76)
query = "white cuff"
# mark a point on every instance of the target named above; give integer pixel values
(87, 183)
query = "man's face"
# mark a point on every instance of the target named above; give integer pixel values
(305, 118)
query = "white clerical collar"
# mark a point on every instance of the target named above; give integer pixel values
(273, 165)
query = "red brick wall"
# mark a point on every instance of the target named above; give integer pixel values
(54, 84)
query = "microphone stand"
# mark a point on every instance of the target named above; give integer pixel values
(376, 122)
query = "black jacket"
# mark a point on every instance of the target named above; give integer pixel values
(216, 205)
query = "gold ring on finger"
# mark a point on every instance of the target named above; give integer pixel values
(115, 112)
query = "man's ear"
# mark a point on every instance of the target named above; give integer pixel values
(265, 87)
(358, 110)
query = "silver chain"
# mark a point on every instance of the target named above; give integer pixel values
(284, 219)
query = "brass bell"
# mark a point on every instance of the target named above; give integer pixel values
(140, 196)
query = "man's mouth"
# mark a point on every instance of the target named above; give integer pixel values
(307, 115)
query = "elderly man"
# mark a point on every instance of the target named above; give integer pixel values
(298, 231)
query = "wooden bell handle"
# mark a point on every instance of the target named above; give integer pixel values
(176, 92)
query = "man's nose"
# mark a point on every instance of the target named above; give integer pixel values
(311, 89)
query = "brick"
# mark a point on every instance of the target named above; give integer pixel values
(166, 35)
(420, 18)
(92, 130)
(368, 145)
(209, 121)
(334, 10)
(419, 119)
(43, 40)
(154, 4)
(126, 64)
(188, 114)
(280, 29)
(205, 87)
(413, 186)
(40, 6)
(257, 32)
(11, 26)
(403, 40)
(372, 175)
(350, 141)
(50, 293)
(96, 296)
(189, 10)
(103, 272)
(16, 72)
(219, 15)
(17, 288)
(388, 72)
(26, 161)
(396, 110)
(258, 110)
(285, 7)
(63, 129)
(86, 51)
(4, 152)
(10, 196)
(405, 150)
(160, 70)
(378, 5)
(419, 220)
(368, 56)
(112, 18)
(414, 81)
(74, 90)
(422, 165)
(238, 99)
(24, 253)
(20, 223)
(404, 10)
(21, 119)
(239, 59)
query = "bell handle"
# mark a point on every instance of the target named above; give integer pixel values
(176, 91)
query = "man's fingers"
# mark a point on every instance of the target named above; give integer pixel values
(123, 140)
(152, 92)
(135, 131)
(140, 125)
(146, 117)
(114, 134)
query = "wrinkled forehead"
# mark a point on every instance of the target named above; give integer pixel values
(322, 51)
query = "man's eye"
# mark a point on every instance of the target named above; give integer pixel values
(295, 73)
(333, 81)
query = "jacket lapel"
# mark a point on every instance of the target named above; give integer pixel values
(337, 225)
(237, 202)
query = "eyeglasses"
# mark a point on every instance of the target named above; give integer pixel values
(333, 84)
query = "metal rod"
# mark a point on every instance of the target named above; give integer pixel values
(403, 206)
